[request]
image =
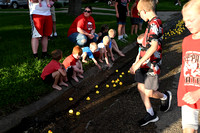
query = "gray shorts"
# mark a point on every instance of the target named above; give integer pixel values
(147, 78)
(189, 117)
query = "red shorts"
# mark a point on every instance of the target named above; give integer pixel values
(43, 24)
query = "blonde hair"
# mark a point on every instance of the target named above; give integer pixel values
(140, 38)
(106, 40)
(111, 32)
(147, 5)
(56, 54)
(192, 4)
(77, 50)
(94, 45)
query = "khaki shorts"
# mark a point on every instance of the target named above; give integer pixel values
(149, 80)
(53, 14)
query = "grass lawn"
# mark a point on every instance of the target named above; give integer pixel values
(19, 72)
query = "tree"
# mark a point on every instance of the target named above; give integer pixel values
(75, 7)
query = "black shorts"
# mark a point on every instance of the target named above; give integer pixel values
(49, 79)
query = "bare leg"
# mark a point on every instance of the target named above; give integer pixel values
(119, 30)
(136, 29)
(115, 48)
(132, 28)
(189, 130)
(56, 75)
(44, 43)
(35, 44)
(54, 27)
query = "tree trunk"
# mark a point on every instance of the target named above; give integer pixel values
(75, 7)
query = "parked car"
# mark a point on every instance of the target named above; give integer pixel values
(13, 3)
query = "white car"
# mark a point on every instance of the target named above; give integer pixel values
(13, 3)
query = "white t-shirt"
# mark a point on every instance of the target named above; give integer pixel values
(36, 9)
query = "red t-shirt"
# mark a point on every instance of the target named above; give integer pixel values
(69, 61)
(50, 68)
(135, 11)
(190, 70)
(87, 24)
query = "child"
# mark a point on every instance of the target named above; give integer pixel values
(102, 48)
(103, 32)
(135, 19)
(188, 88)
(111, 34)
(147, 68)
(139, 42)
(54, 71)
(88, 52)
(72, 61)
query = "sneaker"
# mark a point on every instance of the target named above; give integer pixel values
(45, 56)
(55, 34)
(123, 40)
(165, 104)
(125, 35)
(51, 35)
(176, 4)
(147, 119)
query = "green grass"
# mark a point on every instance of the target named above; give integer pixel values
(20, 82)
(19, 72)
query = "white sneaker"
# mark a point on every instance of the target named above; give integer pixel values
(123, 40)
(55, 34)
(51, 35)
(125, 35)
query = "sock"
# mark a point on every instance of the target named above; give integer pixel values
(150, 111)
(44, 53)
(120, 37)
(164, 97)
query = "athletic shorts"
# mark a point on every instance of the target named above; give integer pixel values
(53, 14)
(49, 79)
(121, 19)
(150, 81)
(41, 25)
(189, 117)
(135, 21)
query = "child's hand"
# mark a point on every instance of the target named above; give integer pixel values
(191, 97)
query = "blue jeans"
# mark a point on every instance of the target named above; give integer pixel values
(79, 38)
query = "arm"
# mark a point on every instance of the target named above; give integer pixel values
(106, 57)
(76, 69)
(85, 33)
(63, 72)
(136, 60)
(132, 8)
(149, 52)
(192, 97)
(96, 63)
(128, 12)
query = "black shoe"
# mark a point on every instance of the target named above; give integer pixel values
(165, 104)
(45, 56)
(147, 119)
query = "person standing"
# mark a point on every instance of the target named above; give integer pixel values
(122, 10)
(147, 68)
(188, 94)
(41, 22)
(53, 14)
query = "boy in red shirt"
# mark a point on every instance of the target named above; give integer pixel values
(188, 89)
(72, 61)
(54, 72)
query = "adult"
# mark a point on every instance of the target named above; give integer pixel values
(41, 22)
(82, 30)
(122, 10)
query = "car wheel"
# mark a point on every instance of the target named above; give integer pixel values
(15, 5)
